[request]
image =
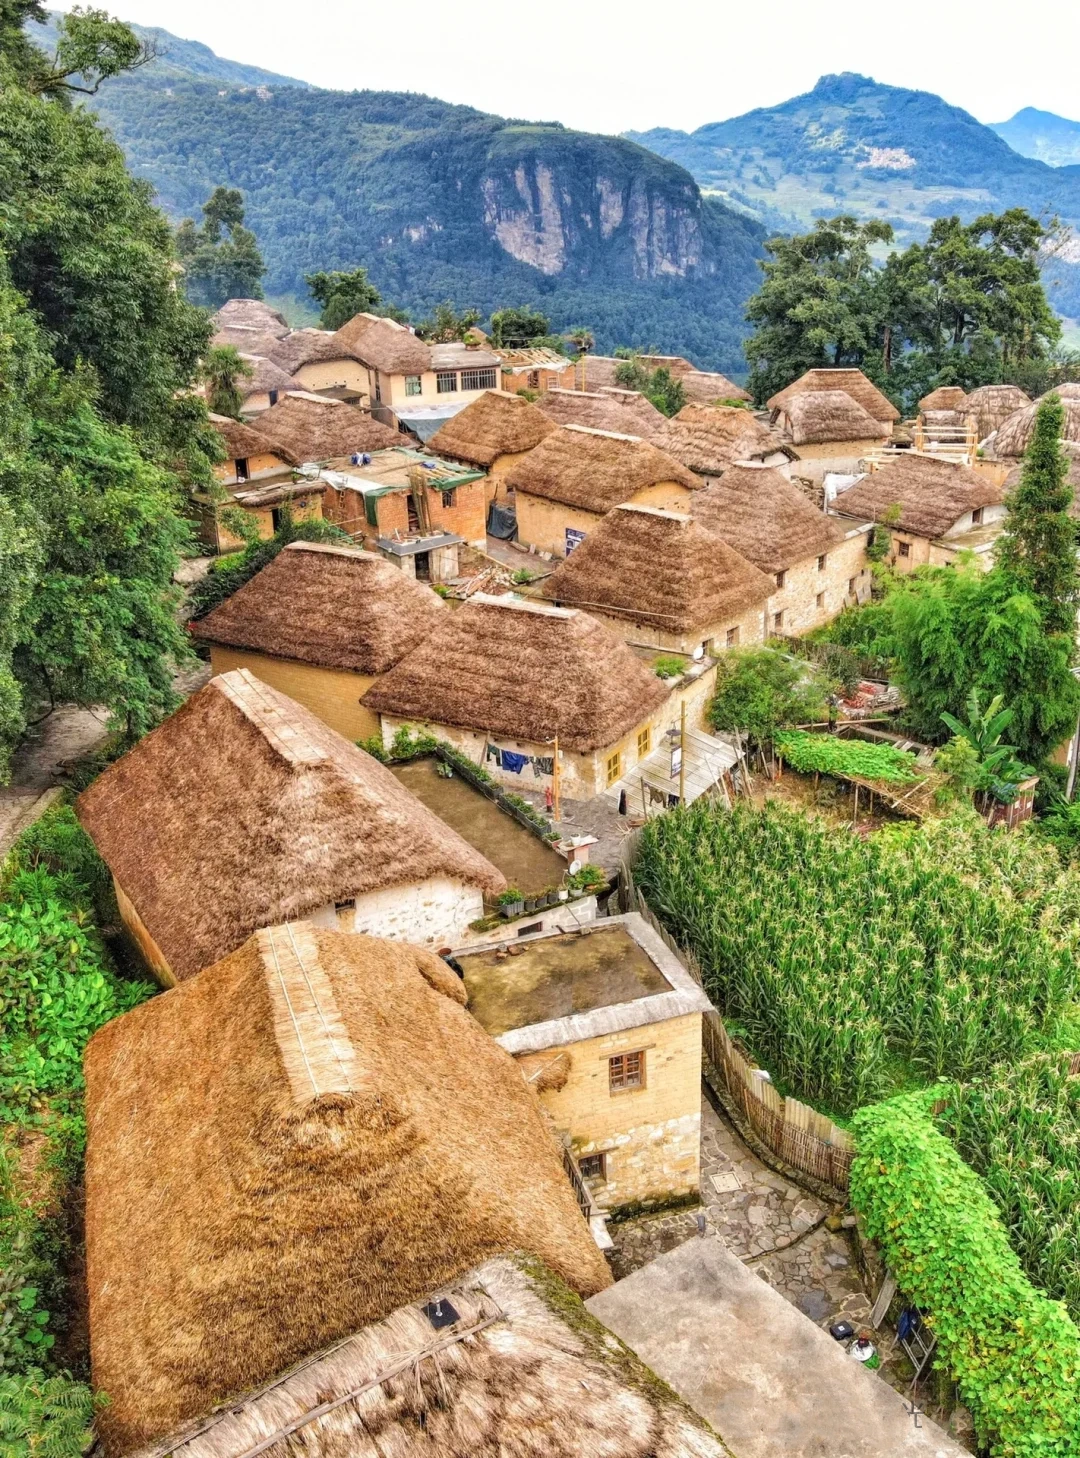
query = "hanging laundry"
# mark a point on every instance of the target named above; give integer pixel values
(656, 797)
(492, 751)
(543, 764)
(515, 763)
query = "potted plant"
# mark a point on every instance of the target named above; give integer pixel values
(532, 902)
(563, 893)
(510, 902)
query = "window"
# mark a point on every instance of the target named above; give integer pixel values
(851, 586)
(626, 1070)
(644, 742)
(976, 516)
(903, 549)
(778, 621)
(613, 767)
(534, 379)
(821, 563)
(593, 1166)
(273, 397)
(478, 379)
(241, 468)
(446, 382)
(731, 639)
(820, 600)
(378, 389)
(413, 385)
(781, 579)
(349, 905)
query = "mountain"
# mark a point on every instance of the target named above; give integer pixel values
(854, 145)
(441, 201)
(1040, 134)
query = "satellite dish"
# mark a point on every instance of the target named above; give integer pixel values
(698, 654)
(575, 867)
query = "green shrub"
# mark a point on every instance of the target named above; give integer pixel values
(58, 844)
(44, 1416)
(828, 755)
(228, 574)
(374, 746)
(1013, 1353)
(1061, 827)
(669, 665)
(760, 690)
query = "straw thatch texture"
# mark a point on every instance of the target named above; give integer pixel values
(932, 494)
(307, 346)
(384, 344)
(1014, 436)
(660, 568)
(310, 428)
(599, 370)
(239, 441)
(710, 438)
(704, 387)
(852, 382)
(265, 376)
(250, 314)
(1063, 392)
(945, 397)
(494, 424)
(289, 1147)
(243, 809)
(758, 511)
(991, 405)
(623, 411)
(595, 469)
(523, 671)
(818, 417)
(503, 1381)
(335, 606)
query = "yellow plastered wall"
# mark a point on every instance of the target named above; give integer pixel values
(542, 523)
(500, 467)
(332, 374)
(225, 471)
(805, 582)
(148, 949)
(263, 516)
(650, 1137)
(843, 456)
(332, 694)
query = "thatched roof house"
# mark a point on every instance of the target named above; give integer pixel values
(599, 370)
(307, 346)
(933, 495)
(595, 469)
(305, 1138)
(991, 405)
(706, 387)
(494, 425)
(1013, 437)
(328, 605)
(852, 382)
(825, 417)
(384, 345)
(710, 438)
(758, 511)
(624, 411)
(945, 397)
(242, 443)
(662, 575)
(1067, 391)
(310, 428)
(242, 810)
(242, 319)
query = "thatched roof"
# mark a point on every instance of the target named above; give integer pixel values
(758, 511)
(290, 1146)
(991, 405)
(599, 370)
(623, 411)
(595, 469)
(945, 397)
(1014, 436)
(338, 607)
(659, 568)
(243, 809)
(932, 494)
(705, 387)
(494, 424)
(504, 1379)
(265, 376)
(250, 314)
(710, 438)
(1063, 392)
(307, 346)
(384, 344)
(817, 417)
(240, 441)
(310, 428)
(852, 382)
(524, 671)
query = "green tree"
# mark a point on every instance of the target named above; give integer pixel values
(445, 325)
(760, 690)
(222, 371)
(658, 386)
(221, 259)
(519, 328)
(991, 766)
(341, 296)
(1037, 549)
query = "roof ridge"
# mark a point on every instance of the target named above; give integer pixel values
(610, 434)
(253, 699)
(316, 1051)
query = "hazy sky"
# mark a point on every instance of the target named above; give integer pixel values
(614, 67)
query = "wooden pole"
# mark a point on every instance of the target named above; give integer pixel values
(556, 786)
(682, 755)
(855, 815)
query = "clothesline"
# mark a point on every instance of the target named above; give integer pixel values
(514, 763)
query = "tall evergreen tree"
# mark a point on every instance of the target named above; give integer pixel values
(1038, 547)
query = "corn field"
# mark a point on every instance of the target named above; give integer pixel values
(852, 968)
(1019, 1129)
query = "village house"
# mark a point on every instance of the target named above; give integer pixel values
(320, 623)
(626, 412)
(1013, 436)
(503, 678)
(945, 397)
(264, 386)
(243, 809)
(990, 406)
(830, 430)
(818, 565)
(533, 369)
(318, 361)
(311, 1138)
(606, 1025)
(710, 438)
(240, 321)
(575, 476)
(933, 510)
(256, 480)
(492, 434)
(658, 578)
(308, 429)
(853, 383)
(702, 387)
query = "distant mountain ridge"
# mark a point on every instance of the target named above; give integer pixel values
(442, 201)
(1052, 139)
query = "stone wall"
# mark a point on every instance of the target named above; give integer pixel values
(433, 913)
(813, 595)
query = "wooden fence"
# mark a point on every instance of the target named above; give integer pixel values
(798, 1135)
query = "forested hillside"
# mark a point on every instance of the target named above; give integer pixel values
(442, 201)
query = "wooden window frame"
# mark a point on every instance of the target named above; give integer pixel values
(644, 742)
(612, 768)
(731, 639)
(821, 561)
(977, 516)
(781, 579)
(446, 382)
(626, 1071)
(778, 621)
(414, 385)
(903, 549)
(241, 472)
(448, 499)
(600, 1172)
(819, 602)
(852, 584)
